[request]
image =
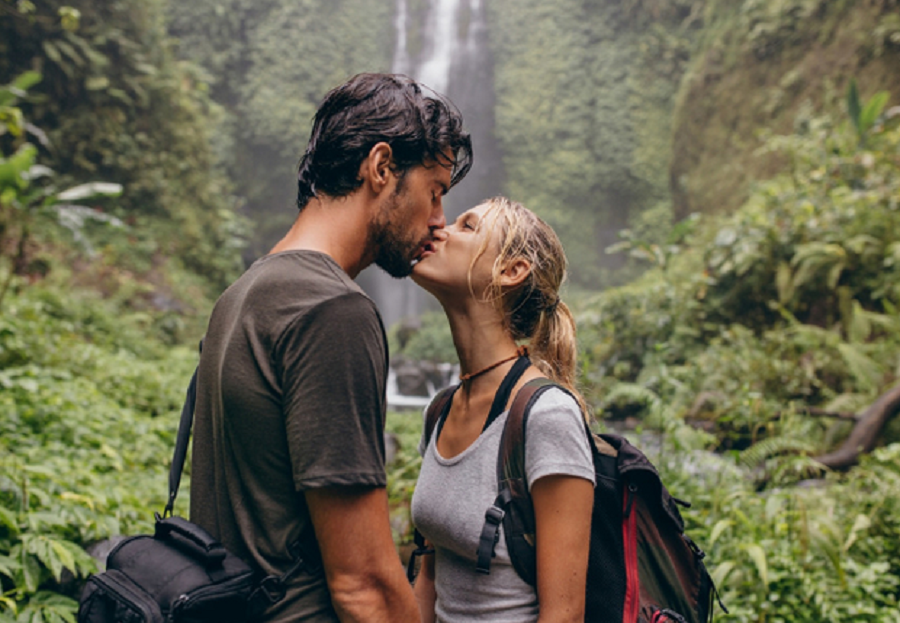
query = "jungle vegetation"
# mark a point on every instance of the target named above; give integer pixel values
(739, 162)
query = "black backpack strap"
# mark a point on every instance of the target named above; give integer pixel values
(490, 532)
(498, 405)
(434, 413)
(421, 550)
(513, 507)
(438, 408)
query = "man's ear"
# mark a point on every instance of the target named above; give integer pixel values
(515, 272)
(376, 170)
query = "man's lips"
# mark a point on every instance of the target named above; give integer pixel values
(424, 251)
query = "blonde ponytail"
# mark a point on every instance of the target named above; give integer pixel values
(533, 311)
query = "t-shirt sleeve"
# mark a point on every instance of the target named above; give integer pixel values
(333, 380)
(556, 441)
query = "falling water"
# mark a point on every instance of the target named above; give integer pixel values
(458, 65)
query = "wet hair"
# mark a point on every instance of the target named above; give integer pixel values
(370, 108)
(533, 311)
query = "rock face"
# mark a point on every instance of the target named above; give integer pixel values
(421, 378)
(763, 68)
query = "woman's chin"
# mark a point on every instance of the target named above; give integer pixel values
(419, 275)
(416, 274)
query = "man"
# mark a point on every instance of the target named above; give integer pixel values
(288, 456)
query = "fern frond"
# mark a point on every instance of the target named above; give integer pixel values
(761, 451)
(866, 372)
(790, 469)
(847, 403)
(631, 393)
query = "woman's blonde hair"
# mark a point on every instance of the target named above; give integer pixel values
(533, 310)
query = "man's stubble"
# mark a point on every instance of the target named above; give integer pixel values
(395, 247)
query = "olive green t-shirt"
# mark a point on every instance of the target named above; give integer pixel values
(291, 396)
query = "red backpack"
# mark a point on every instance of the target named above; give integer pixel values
(642, 568)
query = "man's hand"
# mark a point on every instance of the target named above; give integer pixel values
(364, 574)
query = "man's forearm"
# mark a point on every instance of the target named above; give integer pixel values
(424, 590)
(364, 574)
(375, 600)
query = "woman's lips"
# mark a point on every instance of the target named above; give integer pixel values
(424, 251)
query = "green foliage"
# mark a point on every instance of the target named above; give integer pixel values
(601, 143)
(757, 64)
(787, 304)
(114, 105)
(431, 340)
(793, 298)
(272, 62)
(824, 553)
(28, 198)
(403, 472)
(818, 239)
(90, 408)
(864, 117)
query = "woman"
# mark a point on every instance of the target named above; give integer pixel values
(496, 271)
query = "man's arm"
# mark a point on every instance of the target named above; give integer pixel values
(364, 574)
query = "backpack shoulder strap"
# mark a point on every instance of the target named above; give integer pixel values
(433, 413)
(511, 461)
(436, 409)
(513, 507)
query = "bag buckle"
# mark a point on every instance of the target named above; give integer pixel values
(494, 515)
(272, 587)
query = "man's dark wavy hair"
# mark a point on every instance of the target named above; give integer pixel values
(371, 108)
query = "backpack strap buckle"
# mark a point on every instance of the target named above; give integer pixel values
(494, 515)
(490, 534)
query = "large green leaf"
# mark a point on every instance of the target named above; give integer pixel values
(90, 190)
(758, 556)
(872, 110)
(853, 105)
(12, 169)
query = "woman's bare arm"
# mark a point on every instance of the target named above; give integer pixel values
(562, 513)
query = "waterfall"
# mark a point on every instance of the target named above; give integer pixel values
(454, 60)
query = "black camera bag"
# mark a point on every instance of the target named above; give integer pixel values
(181, 574)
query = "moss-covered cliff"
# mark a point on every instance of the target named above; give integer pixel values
(760, 65)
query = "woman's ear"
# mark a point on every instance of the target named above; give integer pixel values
(515, 272)
(376, 170)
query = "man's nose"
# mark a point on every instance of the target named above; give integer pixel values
(438, 220)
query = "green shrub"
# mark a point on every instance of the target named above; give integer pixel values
(89, 411)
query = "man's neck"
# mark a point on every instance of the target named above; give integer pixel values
(338, 228)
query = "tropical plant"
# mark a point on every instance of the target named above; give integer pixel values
(89, 410)
(26, 202)
(115, 105)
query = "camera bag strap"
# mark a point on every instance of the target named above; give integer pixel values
(304, 551)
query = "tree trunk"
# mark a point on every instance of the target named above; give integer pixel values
(866, 431)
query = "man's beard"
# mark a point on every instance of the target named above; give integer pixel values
(395, 249)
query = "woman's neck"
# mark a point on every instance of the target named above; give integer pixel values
(481, 340)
